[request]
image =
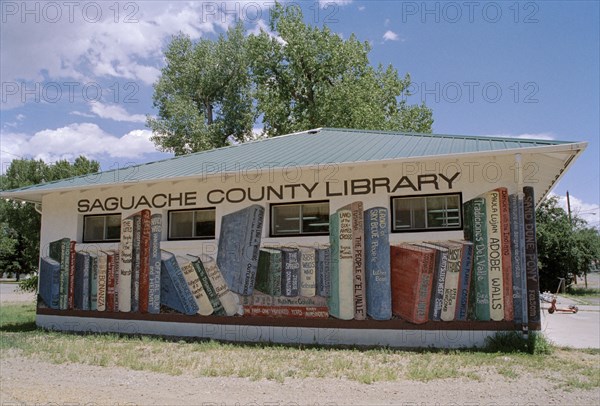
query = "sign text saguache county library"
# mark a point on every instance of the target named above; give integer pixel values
(353, 187)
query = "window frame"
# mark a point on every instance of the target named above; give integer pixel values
(104, 240)
(169, 238)
(393, 228)
(272, 207)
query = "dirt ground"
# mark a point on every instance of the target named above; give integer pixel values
(30, 381)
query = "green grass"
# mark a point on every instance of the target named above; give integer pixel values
(506, 357)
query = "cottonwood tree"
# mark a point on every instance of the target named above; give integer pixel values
(292, 78)
(19, 221)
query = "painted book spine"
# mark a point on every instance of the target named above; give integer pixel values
(155, 264)
(228, 299)
(60, 252)
(135, 262)
(533, 281)
(494, 235)
(175, 292)
(377, 264)
(341, 304)
(439, 282)
(93, 282)
(49, 284)
(307, 271)
(304, 312)
(290, 274)
(323, 272)
(358, 249)
(333, 301)
(451, 284)
(144, 275)
(506, 249)
(117, 277)
(72, 265)
(517, 270)
(195, 286)
(110, 282)
(102, 271)
(125, 265)
(258, 298)
(213, 298)
(268, 276)
(480, 257)
(465, 280)
(82, 281)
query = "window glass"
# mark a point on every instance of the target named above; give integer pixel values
(300, 219)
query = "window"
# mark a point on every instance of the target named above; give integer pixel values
(433, 212)
(102, 228)
(300, 219)
(192, 224)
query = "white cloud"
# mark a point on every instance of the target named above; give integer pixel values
(21, 117)
(76, 139)
(325, 3)
(81, 114)
(530, 136)
(116, 113)
(361, 8)
(391, 36)
(590, 212)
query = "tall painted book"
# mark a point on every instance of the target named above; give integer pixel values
(358, 254)
(323, 272)
(125, 265)
(440, 269)
(531, 268)
(144, 274)
(154, 265)
(412, 271)
(60, 251)
(135, 261)
(341, 299)
(112, 274)
(213, 298)
(466, 267)
(452, 281)
(505, 247)
(174, 290)
(101, 288)
(517, 232)
(476, 232)
(72, 265)
(268, 275)
(94, 281)
(239, 246)
(494, 237)
(49, 282)
(377, 264)
(205, 307)
(82, 281)
(308, 270)
(290, 271)
(229, 300)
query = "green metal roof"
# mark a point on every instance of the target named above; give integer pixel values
(312, 147)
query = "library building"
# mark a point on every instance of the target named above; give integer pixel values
(328, 236)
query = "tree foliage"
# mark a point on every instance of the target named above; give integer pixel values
(20, 222)
(293, 78)
(565, 248)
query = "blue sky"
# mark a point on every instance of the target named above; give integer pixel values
(77, 77)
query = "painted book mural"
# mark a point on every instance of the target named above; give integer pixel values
(491, 275)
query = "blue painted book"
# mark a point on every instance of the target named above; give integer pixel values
(440, 267)
(290, 272)
(531, 268)
(466, 266)
(377, 264)
(94, 281)
(518, 254)
(323, 268)
(268, 276)
(82, 281)
(480, 287)
(155, 264)
(60, 250)
(239, 246)
(135, 262)
(174, 290)
(50, 282)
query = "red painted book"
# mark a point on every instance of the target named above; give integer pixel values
(110, 281)
(412, 279)
(72, 266)
(506, 254)
(145, 261)
(302, 312)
